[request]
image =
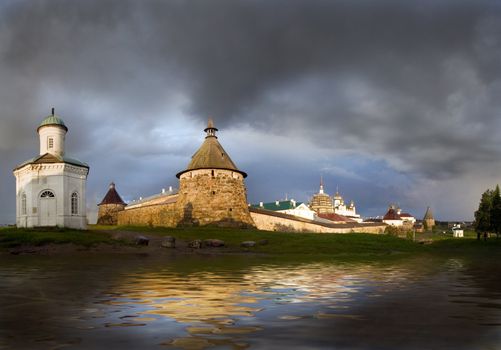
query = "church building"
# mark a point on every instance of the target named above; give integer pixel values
(333, 208)
(50, 188)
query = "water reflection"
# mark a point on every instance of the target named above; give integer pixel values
(233, 303)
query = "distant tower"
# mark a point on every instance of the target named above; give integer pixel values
(321, 190)
(109, 207)
(337, 199)
(428, 219)
(321, 202)
(50, 188)
(211, 188)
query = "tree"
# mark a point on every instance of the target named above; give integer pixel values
(495, 211)
(483, 214)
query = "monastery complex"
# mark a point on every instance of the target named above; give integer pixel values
(212, 192)
(51, 191)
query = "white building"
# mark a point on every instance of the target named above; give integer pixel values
(50, 188)
(395, 217)
(290, 207)
(392, 218)
(342, 209)
(406, 217)
(457, 231)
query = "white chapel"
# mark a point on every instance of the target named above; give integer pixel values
(50, 188)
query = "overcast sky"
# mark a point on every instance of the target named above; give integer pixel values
(391, 101)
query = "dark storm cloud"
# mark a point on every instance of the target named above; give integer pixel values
(415, 83)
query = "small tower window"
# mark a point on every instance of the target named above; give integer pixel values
(23, 204)
(74, 203)
(212, 173)
(50, 143)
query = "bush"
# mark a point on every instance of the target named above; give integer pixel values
(401, 232)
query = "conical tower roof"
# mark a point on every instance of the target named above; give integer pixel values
(428, 215)
(112, 197)
(211, 155)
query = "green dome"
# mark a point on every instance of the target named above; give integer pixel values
(53, 120)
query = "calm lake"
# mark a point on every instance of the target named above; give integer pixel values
(196, 302)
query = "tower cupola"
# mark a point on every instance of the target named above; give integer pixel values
(52, 132)
(211, 129)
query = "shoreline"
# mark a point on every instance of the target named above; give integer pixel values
(100, 240)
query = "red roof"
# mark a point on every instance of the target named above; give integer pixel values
(335, 217)
(406, 215)
(112, 197)
(391, 215)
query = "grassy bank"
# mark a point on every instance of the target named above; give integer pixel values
(288, 243)
(278, 243)
(13, 237)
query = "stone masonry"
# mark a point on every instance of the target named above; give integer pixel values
(213, 196)
(108, 214)
(150, 215)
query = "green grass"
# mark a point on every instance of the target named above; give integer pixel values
(13, 237)
(279, 243)
(288, 243)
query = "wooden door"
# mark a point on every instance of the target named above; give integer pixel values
(47, 209)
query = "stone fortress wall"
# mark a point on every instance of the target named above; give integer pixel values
(108, 214)
(205, 196)
(150, 215)
(213, 196)
(273, 221)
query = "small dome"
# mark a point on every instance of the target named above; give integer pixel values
(52, 119)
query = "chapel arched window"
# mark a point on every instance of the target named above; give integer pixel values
(74, 203)
(23, 204)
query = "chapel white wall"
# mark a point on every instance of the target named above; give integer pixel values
(57, 134)
(62, 179)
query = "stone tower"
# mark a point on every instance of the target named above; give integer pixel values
(109, 207)
(50, 188)
(321, 202)
(212, 189)
(428, 220)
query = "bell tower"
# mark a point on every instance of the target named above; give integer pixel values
(52, 133)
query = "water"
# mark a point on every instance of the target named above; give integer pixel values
(190, 302)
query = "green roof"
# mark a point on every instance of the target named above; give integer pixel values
(276, 206)
(53, 120)
(52, 158)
